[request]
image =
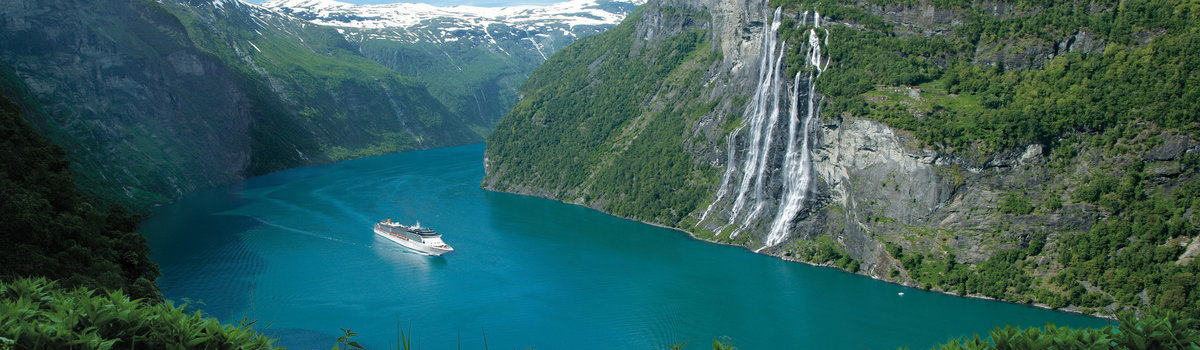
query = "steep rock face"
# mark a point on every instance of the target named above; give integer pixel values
(156, 99)
(877, 187)
(867, 171)
(125, 97)
(1000, 215)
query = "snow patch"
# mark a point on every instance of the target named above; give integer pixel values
(335, 13)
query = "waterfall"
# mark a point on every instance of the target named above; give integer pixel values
(757, 114)
(755, 117)
(760, 169)
(750, 190)
(797, 172)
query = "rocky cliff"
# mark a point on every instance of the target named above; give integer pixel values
(156, 99)
(958, 148)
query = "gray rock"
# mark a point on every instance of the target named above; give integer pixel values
(1172, 149)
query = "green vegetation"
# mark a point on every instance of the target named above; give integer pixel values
(1015, 204)
(1094, 223)
(823, 250)
(1153, 330)
(1132, 258)
(1113, 102)
(38, 314)
(319, 88)
(474, 82)
(50, 229)
(1129, 81)
(1135, 250)
(574, 132)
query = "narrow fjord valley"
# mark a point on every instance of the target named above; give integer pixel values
(156, 99)
(1040, 153)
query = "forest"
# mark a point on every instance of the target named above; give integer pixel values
(1075, 92)
(1118, 102)
(570, 118)
(52, 230)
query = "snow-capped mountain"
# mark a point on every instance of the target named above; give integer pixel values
(472, 58)
(414, 22)
(340, 14)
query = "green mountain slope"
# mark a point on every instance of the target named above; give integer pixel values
(1028, 151)
(472, 61)
(471, 81)
(156, 99)
(571, 136)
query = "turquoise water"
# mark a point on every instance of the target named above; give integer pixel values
(295, 250)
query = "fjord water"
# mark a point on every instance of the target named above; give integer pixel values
(294, 250)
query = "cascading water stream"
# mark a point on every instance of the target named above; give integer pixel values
(758, 113)
(759, 122)
(754, 117)
(797, 174)
(761, 168)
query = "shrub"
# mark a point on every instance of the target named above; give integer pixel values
(1016, 204)
(1156, 329)
(37, 314)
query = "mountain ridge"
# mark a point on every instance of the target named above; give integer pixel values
(473, 59)
(340, 14)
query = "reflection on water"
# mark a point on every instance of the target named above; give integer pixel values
(397, 255)
(296, 250)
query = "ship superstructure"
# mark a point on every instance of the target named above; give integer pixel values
(421, 239)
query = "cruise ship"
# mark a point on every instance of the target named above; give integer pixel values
(420, 239)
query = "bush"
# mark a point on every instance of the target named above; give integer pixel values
(1156, 329)
(37, 314)
(1016, 204)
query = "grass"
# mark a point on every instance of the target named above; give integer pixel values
(929, 97)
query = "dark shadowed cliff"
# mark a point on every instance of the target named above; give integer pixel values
(156, 99)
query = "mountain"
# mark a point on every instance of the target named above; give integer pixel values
(434, 23)
(473, 59)
(1043, 153)
(155, 99)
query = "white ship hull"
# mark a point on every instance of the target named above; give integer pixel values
(418, 246)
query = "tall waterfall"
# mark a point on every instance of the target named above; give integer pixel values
(765, 105)
(797, 168)
(751, 192)
(755, 114)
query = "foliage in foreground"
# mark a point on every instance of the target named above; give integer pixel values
(1157, 329)
(38, 314)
